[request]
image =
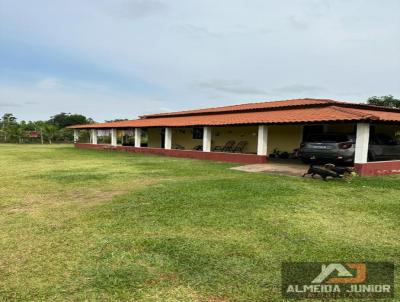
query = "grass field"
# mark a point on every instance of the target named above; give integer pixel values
(87, 225)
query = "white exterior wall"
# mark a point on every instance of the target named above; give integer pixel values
(362, 142)
(76, 135)
(262, 140)
(168, 138)
(207, 139)
(93, 136)
(113, 137)
(138, 137)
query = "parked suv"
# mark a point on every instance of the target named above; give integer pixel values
(331, 147)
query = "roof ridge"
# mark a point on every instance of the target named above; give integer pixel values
(355, 112)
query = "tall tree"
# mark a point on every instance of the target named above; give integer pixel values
(63, 119)
(386, 101)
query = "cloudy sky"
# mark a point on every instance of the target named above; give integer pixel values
(122, 58)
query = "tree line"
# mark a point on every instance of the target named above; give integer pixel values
(385, 101)
(50, 131)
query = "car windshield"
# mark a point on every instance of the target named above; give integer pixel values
(328, 138)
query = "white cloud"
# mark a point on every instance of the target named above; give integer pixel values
(236, 51)
(98, 102)
(299, 88)
(232, 87)
(138, 8)
(298, 24)
(49, 83)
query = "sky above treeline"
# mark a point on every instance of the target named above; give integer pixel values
(111, 59)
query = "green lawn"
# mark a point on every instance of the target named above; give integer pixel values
(89, 225)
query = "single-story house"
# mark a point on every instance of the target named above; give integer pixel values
(252, 130)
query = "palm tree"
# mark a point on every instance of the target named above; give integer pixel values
(17, 132)
(40, 126)
(50, 132)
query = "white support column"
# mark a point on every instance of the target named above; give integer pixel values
(207, 139)
(362, 142)
(138, 137)
(113, 137)
(262, 143)
(76, 136)
(93, 136)
(168, 138)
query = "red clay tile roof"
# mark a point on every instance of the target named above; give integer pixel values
(281, 112)
(280, 116)
(374, 114)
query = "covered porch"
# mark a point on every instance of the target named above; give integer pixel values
(246, 144)
(241, 144)
(243, 139)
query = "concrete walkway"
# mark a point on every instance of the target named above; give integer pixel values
(286, 167)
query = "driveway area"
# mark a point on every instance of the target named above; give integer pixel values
(286, 167)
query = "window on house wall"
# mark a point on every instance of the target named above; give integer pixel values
(197, 133)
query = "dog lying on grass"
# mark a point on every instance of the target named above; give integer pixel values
(330, 170)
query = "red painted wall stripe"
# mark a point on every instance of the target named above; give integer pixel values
(378, 168)
(216, 156)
